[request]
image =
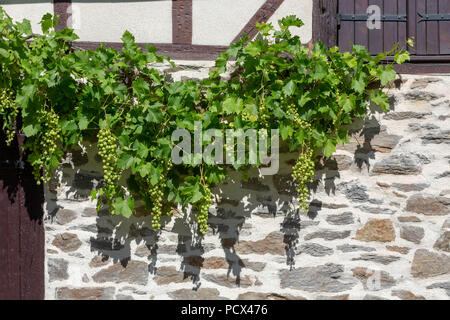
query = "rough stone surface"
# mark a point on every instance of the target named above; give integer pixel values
(380, 230)
(446, 224)
(200, 294)
(353, 248)
(223, 263)
(407, 187)
(443, 243)
(372, 297)
(412, 233)
(272, 244)
(436, 137)
(335, 163)
(229, 281)
(89, 212)
(98, 293)
(67, 242)
(86, 227)
(124, 297)
(57, 269)
(252, 265)
(314, 249)
(360, 239)
(135, 272)
(441, 285)
(398, 164)
(424, 82)
(409, 219)
(429, 264)
(340, 219)
(402, 250)
(376, 210)
(323, 278)
(354, 191)
(384, 142)
(64, 216)
(142, 251)
(428, 205)
(418, 126)
(99, 261)
(406, 295)
(443, 175)
(405, 115)
(339, 297)
(267, 296)
(373, 280)
(166, 275)
(371, 139)
(418, 95)
(328, 235)
(377, 258)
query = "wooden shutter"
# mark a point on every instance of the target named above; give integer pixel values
(428, 21)
(432, 37)
(21, 227)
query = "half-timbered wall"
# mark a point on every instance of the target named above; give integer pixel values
(182, 29)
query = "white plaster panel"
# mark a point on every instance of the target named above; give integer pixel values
(32, 10)
(148, 21)
(303, 10)
(218, 22)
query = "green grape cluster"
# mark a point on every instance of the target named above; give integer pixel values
(157, 196)
(245, 116)
(264, 115)
(107, 149)
(248, 117)
(9, 111)
(203, 210)
(297, 120)
(303, 173)
(45, 146)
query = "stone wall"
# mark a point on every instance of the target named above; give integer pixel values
(378, 226)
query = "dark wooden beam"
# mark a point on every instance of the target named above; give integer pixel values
(262, 15)
(423, 68)
(173, 50)
(63, 9)
(325, 27)
(182, 21)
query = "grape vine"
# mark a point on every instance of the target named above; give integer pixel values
(64, 96)
(45, 147)
(107, 149)
(9, 112)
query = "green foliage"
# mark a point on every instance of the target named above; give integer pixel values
(65, 95)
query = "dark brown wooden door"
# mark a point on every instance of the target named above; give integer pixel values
(431, 35)
(21, 227)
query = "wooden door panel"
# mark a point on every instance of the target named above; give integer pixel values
(21, 227)
(444, 28)
(361, 31)
(432, 29)
(431, 37)
(347, 28)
